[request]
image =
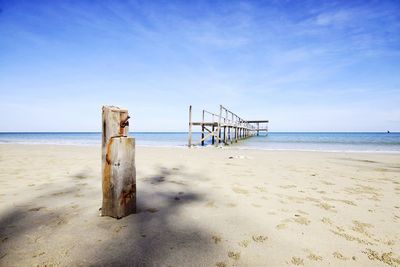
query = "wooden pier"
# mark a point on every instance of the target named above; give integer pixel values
(225, 127)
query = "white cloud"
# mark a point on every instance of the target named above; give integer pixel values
(333, 18)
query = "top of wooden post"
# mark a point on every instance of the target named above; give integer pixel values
(115, 123)
(114, 108)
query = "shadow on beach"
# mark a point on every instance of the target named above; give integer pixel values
(156, 235)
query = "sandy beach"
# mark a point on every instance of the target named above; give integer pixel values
(201, 207)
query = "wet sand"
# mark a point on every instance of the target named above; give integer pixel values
(201, 207)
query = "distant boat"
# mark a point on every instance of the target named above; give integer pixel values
(388, 131)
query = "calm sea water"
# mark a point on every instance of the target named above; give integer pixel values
(375, 142)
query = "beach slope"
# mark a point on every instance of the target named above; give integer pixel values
(201, 207)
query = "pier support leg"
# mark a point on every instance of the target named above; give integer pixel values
(236, 134)
(202, 135)
(190, 127)
(213, 137)
(219, 124)
(225, 136)
(202, 129)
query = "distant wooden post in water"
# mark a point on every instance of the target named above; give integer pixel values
(225, 121)
(118, 164)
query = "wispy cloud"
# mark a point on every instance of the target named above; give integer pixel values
(334, 18)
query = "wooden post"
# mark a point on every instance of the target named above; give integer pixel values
(258, 129)
(232, 128)
(190, 126)
(202, 129)
(226, 123)
(225, 135)
(236, 134)
(219, 125)
(118, 164)
(213, 137)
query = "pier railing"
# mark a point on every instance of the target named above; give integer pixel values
(225, 127)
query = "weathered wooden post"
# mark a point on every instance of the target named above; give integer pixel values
(219, 126)
(118, 164)
(226, 123)
(202, 129)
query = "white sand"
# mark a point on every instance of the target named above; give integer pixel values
(201, 207)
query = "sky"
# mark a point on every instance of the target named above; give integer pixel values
(304, 65)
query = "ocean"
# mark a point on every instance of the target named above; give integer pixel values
(303, 141)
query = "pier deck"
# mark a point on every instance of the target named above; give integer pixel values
(225, 127)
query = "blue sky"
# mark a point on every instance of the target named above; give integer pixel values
(305, 65)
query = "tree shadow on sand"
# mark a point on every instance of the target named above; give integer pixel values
(163, 232)
(158, 234)
(25, 219)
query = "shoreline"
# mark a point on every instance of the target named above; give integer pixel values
(235, 147)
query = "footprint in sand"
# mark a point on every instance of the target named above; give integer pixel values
(239, 190)
(261, 189)
(386, 257)
(234, 255)
(301, 220)
(297, 261)
(298, 219)
(327, 221)
(220, 264)
(339, 256)
(361, 227)
(314, 257)
(282, 225)
(216, 239)
(244, 243)
(326, 206)
(259, 238)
